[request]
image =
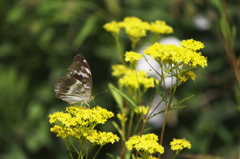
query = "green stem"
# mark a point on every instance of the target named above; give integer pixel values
(130, 123)
(163, 128)
(228, 44)
(68, 148)
(168, 104)
(122, 148)
(97, 151)
(120, 53)
(175, 154)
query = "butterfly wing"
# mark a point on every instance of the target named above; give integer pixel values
(76, 85)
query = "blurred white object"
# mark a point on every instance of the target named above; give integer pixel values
(157, 120)
(170, 40)
(202, 22)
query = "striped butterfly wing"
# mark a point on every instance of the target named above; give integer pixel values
(76, 85)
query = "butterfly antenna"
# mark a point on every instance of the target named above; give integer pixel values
(98, 94)
(101, 92)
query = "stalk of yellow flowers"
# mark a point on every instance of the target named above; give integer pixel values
(176, 62)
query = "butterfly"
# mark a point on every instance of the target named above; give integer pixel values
(76, 85)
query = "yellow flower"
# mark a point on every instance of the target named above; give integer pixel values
(160, 27)
(146, 144)
(132, 56)
(179, 144)
(188, 75)
(119, 70)
(77, 120)
(101, 138)
(191, 75)
(134, 27)
(182, 79)
(192, 44)
(64, 118)
(122, 117)
(136, 79)
(143, 109)
(172, 54)
(112, 27)
(59, 131)
(131, 78)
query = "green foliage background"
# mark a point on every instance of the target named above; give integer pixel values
(39, 38)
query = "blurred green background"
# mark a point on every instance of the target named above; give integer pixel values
(39, 39)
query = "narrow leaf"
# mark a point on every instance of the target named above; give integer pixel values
(86, 30)
(118, 129)
(126, 97)
(117, 97)
(181, 101)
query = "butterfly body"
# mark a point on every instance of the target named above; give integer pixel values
(76, 85)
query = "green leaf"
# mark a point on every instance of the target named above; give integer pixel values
(125, 96)
(176, 106)
(117, 97)
(233, 35)
(113, 156)
(86, 30)
(118, 129)
(223, 27)
(179, 107)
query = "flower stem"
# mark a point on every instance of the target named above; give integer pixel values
(97, 151)
(163, 127)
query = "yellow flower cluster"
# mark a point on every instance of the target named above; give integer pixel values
(101, 138)
(145, 144)
(131, 78)
(133, 57)
(80, 121)
(160, 27)
(135, 28)
(112, 27)
(172, 54)
(179, 144)
(94, 116)
(119, 70)
(188, 75)
(192, 44)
